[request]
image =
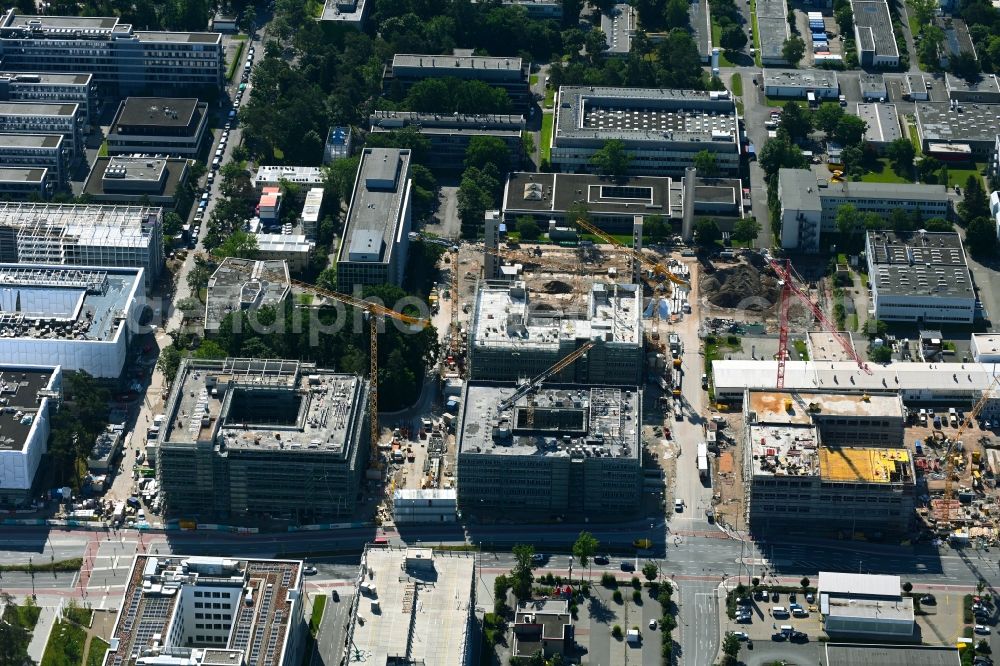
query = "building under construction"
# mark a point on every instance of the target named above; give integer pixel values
(562, 449)
(830, 459)
(246, 438)
(514, 333)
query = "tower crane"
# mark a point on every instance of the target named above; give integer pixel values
(949, 466)
(656, 268)
(534, 383)
(788, 287)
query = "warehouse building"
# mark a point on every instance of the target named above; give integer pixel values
(985, 89)
(809, 206)
(83, 235)
(23, 183)
(210, 611)
(874, 35)
(122, 60)
(376, 233)
(52, 88)
(956, 42)
(972, 126)
(40, 151)
(413, 606)
(158, 125)
(772, 30)
(79, 318)
(512, 337)
(32, 394)
(798, 83)
(244, 285)
(798, 479)
(577, 450)
(507, 73)
(245, 438)
(920, 277)
(449, 135)
(43, 118)
(662, 129)
(873, 87)
(915, 87)
(124, 179)
(865, 606)
(883, 125)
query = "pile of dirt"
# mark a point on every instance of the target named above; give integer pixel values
(557, 287)
(741, 286)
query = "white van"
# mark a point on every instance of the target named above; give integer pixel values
(779, 611)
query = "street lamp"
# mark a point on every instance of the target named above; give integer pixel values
(31, 570)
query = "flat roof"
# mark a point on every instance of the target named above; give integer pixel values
(450, 65)
(558, 192)
(47, 78)
(882, 121)
(42, 22)
(919, 264)
(619, 25)
(180, 37)
(871, 17)
(376, 212)
(133, 177)
(570, 421)
(872, 85)
(856, 584)
(985, 83)
(939, 121)
(347, 11)
(986, 343)
(294, 174)
(823, 346)
(30, 140)
(799, 190)
(773, 31)
(956, 36)
(848, 654)
(644, 114)
(244, 284)
(801, 78)
(900, 610)
(93, 224)
(446, 123)
(865, 465)
(15, 174)
(157, 112)
(772, 407)
(424, 603)
(161, 589)
(37, 109)
(19, 391)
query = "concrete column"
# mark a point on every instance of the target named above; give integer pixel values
(687, 225)
(637, 245)
(492, 244)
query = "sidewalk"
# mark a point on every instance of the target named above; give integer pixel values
(40, 636)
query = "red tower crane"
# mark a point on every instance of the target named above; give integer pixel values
(788, 287)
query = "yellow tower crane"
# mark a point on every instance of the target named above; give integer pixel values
(537, 381)
(949, 467)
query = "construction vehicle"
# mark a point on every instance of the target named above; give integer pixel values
(537, 381)
(788, 288)
(955, 443)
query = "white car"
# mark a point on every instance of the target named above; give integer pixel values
(652, 624)
(742, 635)
(982, 629)
(678, 505)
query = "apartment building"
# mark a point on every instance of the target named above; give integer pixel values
(158, 125)
(40, 151)
(510, 74)
(121, 59)
(53, 88)
(43, 118)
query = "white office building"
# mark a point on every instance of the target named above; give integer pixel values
(30, 394)
(864, 605)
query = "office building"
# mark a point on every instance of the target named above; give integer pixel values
(873, 87)
(874, 35)
(158, 125)
(248, 438)
(338, 144)
(413, 606)
(312, 208)
(619, 26)
(39, 151)
(512, 337)
(106, 450)
(272, 176)
(662, 130)
(507, 73)
(122, 179)
(52, 88)
(985, 89)
(348, 13)
(210, 611)
(542, 626)
(973, 127)
(294, 249)
(576, 450)
(376, 234)
(798, 83)
(31, 393)
(809, 206)
(772, 30)
(985, 347)
(122, 60)
(83, 235)
(919, 277)
(798, 479)
(43, 118)
(613, 205)
(22, 183)
(449, 135)
(244, 285)
(79, 318)
(225, 22)
(915, 87)
(865, 654)
(883, 125)
(865, 606)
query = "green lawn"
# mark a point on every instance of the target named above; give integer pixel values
(103, 150)
(780, 102)
(95, 655)
(79, 615)
(756, 33)
(884, 175)
(959, 176)
(550, 96)
(27, 614)
(546, 138)
(801, 349)
(319, 604)
(736, 85)
(237, 60)
(533, 79)
(914, 136)
(65, 646)
(716, 37)
(67, 566)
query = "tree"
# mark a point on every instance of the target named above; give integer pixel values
(974, 202)
(730, 648)
(907, 587)
(795, 121)
(676, 14)
(848, 220)
(650, 571)
(679, 49)
(923, 11)
(612, 159)
(209, 349)
(197, 277)
(983, 647)
(901, 154)
(528, 228)
(981, 238)
(240, 244)
(733, 38)
(804, 582)
(793, 49)
(706, 163)
(964, 65)
(850, 130)
(746, 229)
(780, 153)
(483, 150)
(585, 548)
(707, 232)
(172, 224)
(931, 39)
(927, 168)
(880, 354)
(522, 576)
(169, 362)
(827, 116)
(655, 228)
(596, 43)
(845, 19)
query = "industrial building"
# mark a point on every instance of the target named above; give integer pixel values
(985, 347)
(124, 179)
(921, 277)
(79, 318)
(797, 83)
(158, 125)
(613, 205)
(507, 73)
(809, 206)
(973, 127)
(271, 176)
(985, 89)
(569, 449)
(773, 30)
(512, 337)
(376, 232)
(865, 606)
(38, 151)
(23, 183)
(122, 60)
(338, 144)
(244, 285)
(44, 118)
(52, 88)
(915, 87)
(245, 438)
(83, 235)
(662, 130)
(31, 393)
(798, 479)
(883, 124)
(413, 606)
(210, 611)
(348, 13)
(877, 654)
(873, 87)
(874, 34)
(449, 134)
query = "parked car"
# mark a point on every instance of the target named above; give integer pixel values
(538, 557)
(309, 570)
(775, 596)
(778, 636)
(627, 565)
(741, 635)
(334, 595)
(602, 559)
(678, 505)
(652, 624)
(982, 629)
